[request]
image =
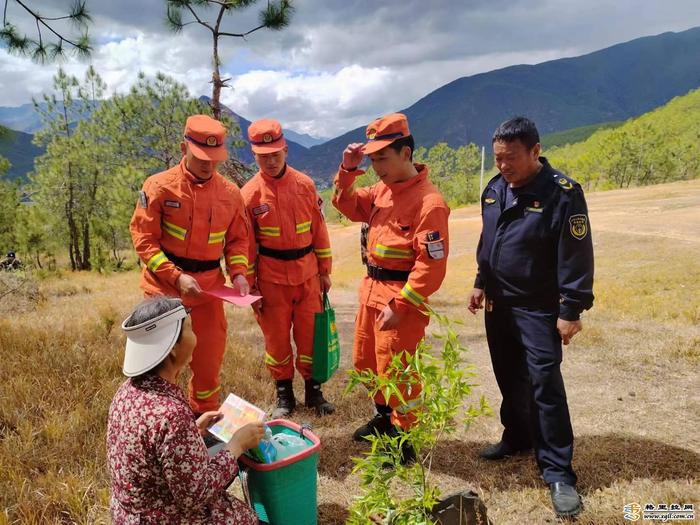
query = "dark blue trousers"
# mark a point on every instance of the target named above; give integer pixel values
(526, 353)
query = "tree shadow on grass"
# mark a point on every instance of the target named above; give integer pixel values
(332, 514)
(336, 456)
(599, 461)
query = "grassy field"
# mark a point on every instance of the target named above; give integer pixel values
(631, 376)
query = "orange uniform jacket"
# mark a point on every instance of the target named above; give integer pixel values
(407, 231)
(285, 213)
(190, 219)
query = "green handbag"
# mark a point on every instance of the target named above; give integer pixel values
(326, 343)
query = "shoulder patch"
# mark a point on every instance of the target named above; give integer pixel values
(489, 200)
(172, 204)
(435, 245)
(143, 199)
(432, 236)
(436, 249)
(578, 226)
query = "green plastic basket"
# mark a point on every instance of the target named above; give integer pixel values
(284, 492)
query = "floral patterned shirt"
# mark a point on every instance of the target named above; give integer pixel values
(159, 468)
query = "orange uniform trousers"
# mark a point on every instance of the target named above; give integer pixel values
(373, 349)
(209, 325)
(289, 310)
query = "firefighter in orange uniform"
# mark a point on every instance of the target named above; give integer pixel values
(186, 219)
(293, 264)
(406, 247)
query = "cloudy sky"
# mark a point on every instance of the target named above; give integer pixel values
(342, 63)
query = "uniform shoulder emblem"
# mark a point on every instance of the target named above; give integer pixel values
(564, 182)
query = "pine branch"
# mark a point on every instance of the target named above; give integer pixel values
(277, 16)
(39, 50)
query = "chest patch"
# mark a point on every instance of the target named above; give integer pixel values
(172, 204)
(259, 210)
(489, 201)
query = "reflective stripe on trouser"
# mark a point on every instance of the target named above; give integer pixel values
(209, 325)
(373, 350)
(286, 311)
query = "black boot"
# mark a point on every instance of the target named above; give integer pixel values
(502, 450)
(565, 499)
(379, 424)
(285, 400)
(313, 398)
(408, 453)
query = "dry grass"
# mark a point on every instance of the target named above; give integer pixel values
(631, 377)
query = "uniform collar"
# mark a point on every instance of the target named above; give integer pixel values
(277, 180)
(190, 177)
(400, 187)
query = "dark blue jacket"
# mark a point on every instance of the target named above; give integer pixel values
(537, 252)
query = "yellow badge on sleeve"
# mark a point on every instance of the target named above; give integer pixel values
(578, 225)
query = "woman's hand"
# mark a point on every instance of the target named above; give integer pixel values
(208, 419)
(245, 438)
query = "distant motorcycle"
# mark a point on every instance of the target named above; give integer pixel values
(10, 263)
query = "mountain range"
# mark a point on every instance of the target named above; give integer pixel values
(610, 85)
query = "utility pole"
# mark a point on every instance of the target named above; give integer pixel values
(481, 179)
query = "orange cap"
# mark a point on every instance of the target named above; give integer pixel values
(384, 131)
(265, 136)
(206, 137)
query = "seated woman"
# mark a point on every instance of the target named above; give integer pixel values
(159, 468)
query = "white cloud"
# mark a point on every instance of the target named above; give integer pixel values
(118, 62)
(318, 103)
(342, 63)
(327, 104)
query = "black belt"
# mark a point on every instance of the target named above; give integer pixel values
(383, 274)
(192, 265)
(285, 255)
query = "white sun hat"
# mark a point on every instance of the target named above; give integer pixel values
(149, 343)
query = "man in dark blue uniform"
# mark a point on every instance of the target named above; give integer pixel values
(535, 274)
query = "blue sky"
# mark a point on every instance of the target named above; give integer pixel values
(342, 63)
